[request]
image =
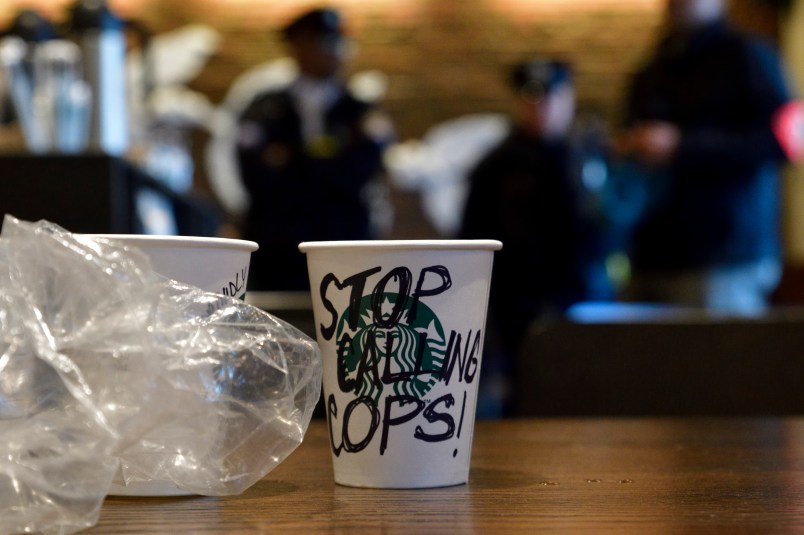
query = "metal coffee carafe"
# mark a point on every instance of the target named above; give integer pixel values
(101, 36)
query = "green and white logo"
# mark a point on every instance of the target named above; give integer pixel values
(377, 356)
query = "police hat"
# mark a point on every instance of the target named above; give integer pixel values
(537, 77)
(322, 21)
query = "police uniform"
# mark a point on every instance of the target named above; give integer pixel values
(524, 193)
(306, 155)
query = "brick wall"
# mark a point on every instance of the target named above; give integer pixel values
(443, 58)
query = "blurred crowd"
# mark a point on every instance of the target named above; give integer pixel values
(676, 205)
(685, 191)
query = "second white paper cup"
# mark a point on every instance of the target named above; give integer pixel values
(400, 325)
(217, 265)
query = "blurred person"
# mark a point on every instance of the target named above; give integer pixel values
(525, 193)
(307, 153)
(700, 117)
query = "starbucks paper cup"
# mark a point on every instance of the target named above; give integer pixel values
(218, 265)
(400, 325)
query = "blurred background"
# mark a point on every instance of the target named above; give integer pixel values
(443, 59)
(437, 68)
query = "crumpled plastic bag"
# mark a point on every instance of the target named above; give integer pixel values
(108, 370)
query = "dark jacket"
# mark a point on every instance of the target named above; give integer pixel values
(302, 192)
(523, 194)
(719, 201)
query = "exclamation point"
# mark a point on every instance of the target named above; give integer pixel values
(460, 423)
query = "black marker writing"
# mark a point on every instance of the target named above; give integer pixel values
(356, 284)
(236, 287)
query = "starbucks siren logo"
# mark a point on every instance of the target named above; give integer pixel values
(400, 351)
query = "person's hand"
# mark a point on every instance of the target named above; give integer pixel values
(654, 143)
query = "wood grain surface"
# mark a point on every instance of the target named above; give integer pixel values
(528, 476)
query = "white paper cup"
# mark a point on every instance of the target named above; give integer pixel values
(218, 265)
(400, 325)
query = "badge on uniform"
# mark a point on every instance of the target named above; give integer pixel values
(322, 146)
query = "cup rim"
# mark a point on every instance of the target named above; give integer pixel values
(155, 240)
(453, 245)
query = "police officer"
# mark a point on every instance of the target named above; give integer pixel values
(524, 193)
(307, 154)
(700, 117)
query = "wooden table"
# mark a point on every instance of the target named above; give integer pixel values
(644, 475)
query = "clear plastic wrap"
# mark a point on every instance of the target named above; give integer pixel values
(107, 370)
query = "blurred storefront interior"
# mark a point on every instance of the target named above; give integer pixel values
(436, 60)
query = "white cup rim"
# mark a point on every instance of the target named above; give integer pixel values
(154, 240)
(467, 245)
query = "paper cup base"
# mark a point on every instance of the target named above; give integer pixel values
(357, 480)
(148, 488)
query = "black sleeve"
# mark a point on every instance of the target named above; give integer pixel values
(766, 92)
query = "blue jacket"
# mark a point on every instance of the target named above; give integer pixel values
(719, 201)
